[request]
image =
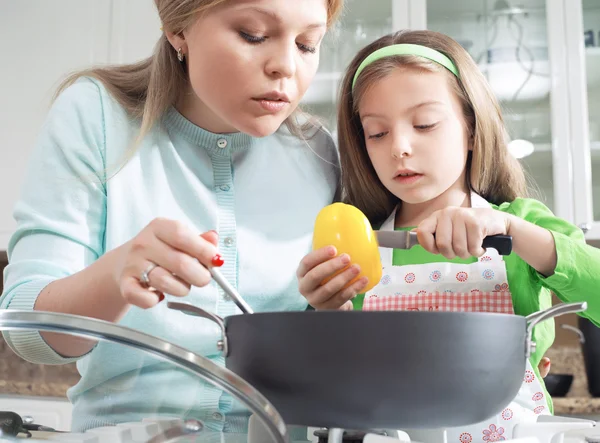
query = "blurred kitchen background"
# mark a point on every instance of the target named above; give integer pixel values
(542, 58)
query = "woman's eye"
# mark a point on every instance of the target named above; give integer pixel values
(306, 48)
(255, 39)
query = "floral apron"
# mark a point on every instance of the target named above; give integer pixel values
(476, 287)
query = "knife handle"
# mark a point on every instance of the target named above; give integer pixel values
(501, 243)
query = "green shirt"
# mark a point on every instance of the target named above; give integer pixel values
(575, 279)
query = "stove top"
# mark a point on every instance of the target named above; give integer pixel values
(547, 430)
(322, 436)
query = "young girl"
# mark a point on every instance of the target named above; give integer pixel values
(423, 146)
(134, 162)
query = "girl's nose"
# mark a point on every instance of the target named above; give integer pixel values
(401, 147)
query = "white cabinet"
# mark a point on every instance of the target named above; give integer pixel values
(582, 21)
(55, 413)
(40, 41)
(361, 23)
(518, 46)
(534, 54)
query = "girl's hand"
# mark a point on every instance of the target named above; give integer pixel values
(459, 232)
(173, 257)
(336, 293)
(544, 367)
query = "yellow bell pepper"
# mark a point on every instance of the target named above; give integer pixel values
(348, 229)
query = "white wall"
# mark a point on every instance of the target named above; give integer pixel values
(41, 41)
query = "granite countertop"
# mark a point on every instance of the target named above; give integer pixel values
(19, 377)
(569, 360)
(40, 389)
(577, 406)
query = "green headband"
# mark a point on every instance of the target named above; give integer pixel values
(407, 49)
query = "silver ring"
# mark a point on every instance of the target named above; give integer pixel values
(145, 276)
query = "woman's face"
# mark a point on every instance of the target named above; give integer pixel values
(250, 62)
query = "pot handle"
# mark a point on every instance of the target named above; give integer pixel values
(538, 317)
(189, 309)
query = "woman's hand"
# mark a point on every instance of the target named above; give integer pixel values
(324, 279)
(173, 258)
(459, 232)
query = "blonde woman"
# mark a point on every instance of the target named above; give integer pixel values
(423, 146)
(135, 162)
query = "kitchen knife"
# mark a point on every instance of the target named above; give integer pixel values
(408, 239)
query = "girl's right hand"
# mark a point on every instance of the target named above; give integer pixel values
(323, 264)
(175, 257)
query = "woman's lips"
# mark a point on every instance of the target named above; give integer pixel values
(271, 106)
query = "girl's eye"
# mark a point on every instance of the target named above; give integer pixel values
(307, 49)
(377, 136)
(254, 39)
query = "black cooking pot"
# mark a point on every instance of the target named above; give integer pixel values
(558, 385)
(591, 354)
(363, 370)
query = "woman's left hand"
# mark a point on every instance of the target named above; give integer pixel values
(459, 232)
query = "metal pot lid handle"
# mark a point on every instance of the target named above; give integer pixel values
(195, 311)
(555, 311)
(12, 319)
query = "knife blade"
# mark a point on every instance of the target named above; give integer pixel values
(408, 239)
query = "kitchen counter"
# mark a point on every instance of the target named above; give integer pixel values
(37, 389)
(569, 360)
(580, 406)
(19, 377)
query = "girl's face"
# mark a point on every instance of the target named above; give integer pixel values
(416, 136)
(250, 62)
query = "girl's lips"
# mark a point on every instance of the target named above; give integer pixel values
(408, 179)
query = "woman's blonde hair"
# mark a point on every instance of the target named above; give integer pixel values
(146, 89)
(491, 171)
